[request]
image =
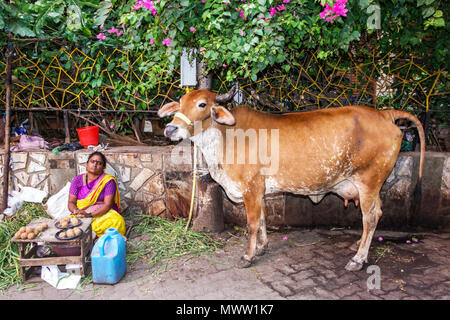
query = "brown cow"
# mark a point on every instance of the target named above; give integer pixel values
(349, 151)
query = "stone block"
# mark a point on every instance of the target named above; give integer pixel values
(125, 173)
(178, 196)
(37, 179)
(157, 207)
(404, 166)
(19, 160)
(39, 157)
(62, 163)
(155, 185)
(82, 157)
(58, 178)
(130, 159)
(400, 190)
(22, 176)
(141, 178)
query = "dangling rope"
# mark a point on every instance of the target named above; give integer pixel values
(194, 183)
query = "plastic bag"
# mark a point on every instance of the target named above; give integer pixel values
(57, 204)
(30, 194)
(14, 203)
(58, 279)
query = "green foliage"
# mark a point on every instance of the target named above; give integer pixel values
(237, 39)
(9, 251)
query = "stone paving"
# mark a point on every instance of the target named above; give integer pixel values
(300, 264)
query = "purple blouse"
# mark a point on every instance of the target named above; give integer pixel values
(81, 191)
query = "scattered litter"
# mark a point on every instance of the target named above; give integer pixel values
(31, 143)
(60, 280)
(57, 204)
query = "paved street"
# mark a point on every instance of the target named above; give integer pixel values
(301, 264)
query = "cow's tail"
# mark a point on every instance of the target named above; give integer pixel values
(397, 114)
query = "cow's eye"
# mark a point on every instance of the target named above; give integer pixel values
(202, 105)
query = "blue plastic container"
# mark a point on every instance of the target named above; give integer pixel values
(109, 258)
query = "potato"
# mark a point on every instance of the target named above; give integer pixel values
(70, 233)
(64, 224)
(74, 221)
(44, 225)
(31, 235)
(77, 231)
(40, 228)
(17, 235)
(24, 236)
(63, 235)
(23, 229)
(29, 229)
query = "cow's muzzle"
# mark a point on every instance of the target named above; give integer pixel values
(170, 130)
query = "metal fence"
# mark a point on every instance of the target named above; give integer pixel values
(388, 81)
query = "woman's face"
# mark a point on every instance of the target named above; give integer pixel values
(95, 165)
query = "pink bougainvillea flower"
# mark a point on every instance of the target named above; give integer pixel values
(202, 49)
(111, 126)
(227, 3)
(203, 1)
(192, 29)
(119, 33)
(380, 239)
(286, 1)
(242, 15)
(330, 13)
(101, 36)
(281, 7)
(408, 241)
(121, 75)
(149, 5)
(224, 65)
(166, 42)
(284, 238)
(113, 30)
(101, 27)
(241, 32)
(152, 41)
(272, 11)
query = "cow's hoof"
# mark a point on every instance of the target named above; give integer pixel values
(353, 265)
(244, 263)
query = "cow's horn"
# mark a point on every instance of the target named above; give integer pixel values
(226, 96)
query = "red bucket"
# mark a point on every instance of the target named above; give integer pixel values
(88, 136)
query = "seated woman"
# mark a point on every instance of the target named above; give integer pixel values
(95, 194)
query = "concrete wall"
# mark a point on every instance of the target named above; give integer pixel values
(151, 182)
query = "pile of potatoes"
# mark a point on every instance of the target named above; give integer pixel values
(64, 222)
(30, 232)
(70, 233)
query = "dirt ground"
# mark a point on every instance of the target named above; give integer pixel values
(301, 264)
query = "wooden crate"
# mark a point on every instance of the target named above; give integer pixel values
(27, 256)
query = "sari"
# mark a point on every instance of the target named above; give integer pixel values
(112, 218)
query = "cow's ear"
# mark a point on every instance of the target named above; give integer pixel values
(169, 109)
(222, 116)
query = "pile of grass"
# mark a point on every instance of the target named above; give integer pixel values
(9, 251)
(158, 241)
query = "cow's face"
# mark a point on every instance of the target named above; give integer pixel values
(197, 105)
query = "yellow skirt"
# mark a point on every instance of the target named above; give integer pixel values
(111, 219)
